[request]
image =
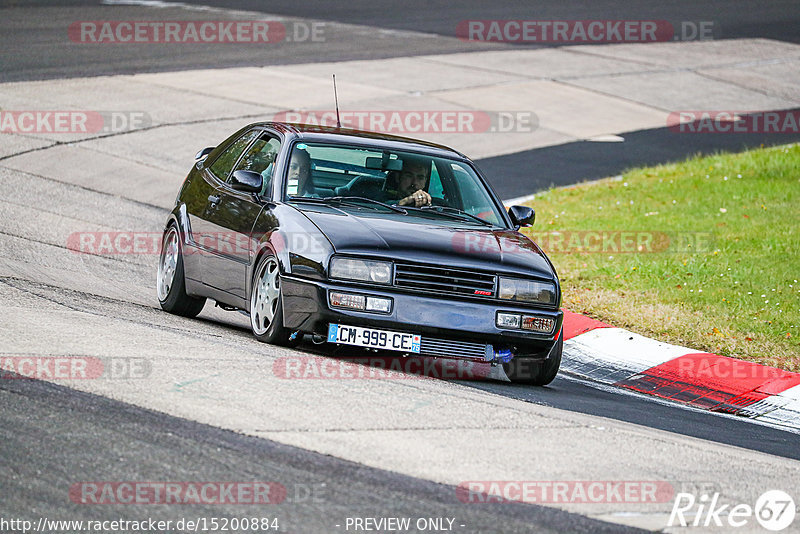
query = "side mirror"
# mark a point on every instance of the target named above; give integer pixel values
(203, 153)
(522, 215)
(247, 181)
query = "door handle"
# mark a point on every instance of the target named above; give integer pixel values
(213, 200)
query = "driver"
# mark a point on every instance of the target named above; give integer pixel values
(411, 182)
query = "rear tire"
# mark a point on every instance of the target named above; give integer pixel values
(171, 283)
(266, 304)
(536, 373)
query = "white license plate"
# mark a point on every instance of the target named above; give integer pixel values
(370, 337)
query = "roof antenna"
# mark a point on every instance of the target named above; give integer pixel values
(336, 98)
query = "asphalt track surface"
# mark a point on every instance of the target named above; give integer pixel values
(55, 434)
(52, 435)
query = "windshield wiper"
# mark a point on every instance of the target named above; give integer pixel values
(352, 200)
(365, 199)
(454, 213)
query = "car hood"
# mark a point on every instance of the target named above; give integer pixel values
(419, 239)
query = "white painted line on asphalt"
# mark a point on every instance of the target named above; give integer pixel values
(528, 198)
(159, 4)
(519, 200)
(606, 139)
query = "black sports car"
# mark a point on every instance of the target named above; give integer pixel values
(362, 239)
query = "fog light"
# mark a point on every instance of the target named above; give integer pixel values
(507, 320)
(538, 324)
(378, 304)
(348, 300)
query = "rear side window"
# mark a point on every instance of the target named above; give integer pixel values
(223, 165)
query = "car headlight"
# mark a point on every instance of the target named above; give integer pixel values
(527, 291)
(379, 272)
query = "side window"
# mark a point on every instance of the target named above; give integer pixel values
(261, 159)
(260, 156)
(223, 165)
(474, 198)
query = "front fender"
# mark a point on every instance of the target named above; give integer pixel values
(299, 246)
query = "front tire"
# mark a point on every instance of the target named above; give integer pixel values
(266, 303)
(536, 373)
(171, 282)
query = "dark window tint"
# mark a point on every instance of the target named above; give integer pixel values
(224, 163)
(261, 159)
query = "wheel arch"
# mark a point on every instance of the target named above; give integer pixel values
(179, 217)
(264, 248)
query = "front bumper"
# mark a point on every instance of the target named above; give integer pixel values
(450, 327)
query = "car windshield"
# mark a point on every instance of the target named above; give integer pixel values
(432, 187)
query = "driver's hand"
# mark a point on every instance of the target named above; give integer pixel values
(416, 199)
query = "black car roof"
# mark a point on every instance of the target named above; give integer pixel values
(343, 135)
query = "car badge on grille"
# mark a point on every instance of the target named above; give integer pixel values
(482, 292)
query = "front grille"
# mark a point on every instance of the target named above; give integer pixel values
(445, 348)
(444, 280)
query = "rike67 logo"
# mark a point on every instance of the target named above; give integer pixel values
(774, 510)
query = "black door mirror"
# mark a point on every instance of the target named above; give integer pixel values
(247, 181)
(203, 153)
(522, 215)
